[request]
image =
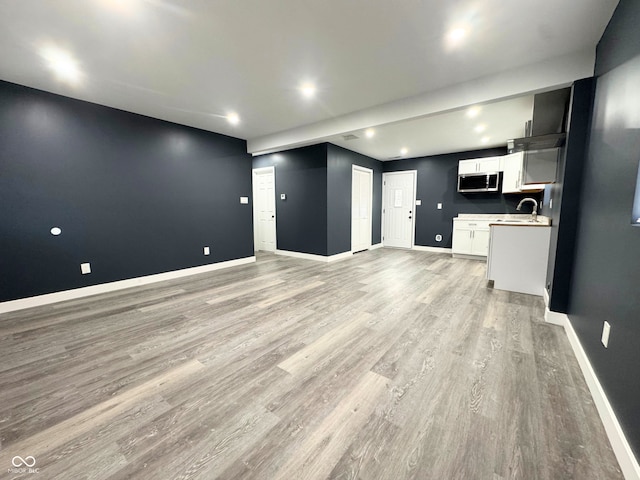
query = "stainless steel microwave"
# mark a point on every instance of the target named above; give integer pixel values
(479, 182)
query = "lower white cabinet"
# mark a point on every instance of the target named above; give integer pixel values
(518, 258)
(470, 237)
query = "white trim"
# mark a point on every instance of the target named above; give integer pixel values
(376, 246)
(317, 258)
(619, 444)
(421, 248)
(481, 258)
(55, 297)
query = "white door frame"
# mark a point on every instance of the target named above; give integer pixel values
(254, 173)
(413, 214)
(370, 206)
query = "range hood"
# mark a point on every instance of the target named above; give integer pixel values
(548, 126)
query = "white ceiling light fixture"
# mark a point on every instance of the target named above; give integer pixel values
(455, 37)
(485, 139)
(473, 112)
(233, 118)
(308, 90)
(369, 132)
(404, 151)
(480, 128)
(62, 64)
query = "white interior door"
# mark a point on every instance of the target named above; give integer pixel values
(361, 205)
(264, 209)
(398, 214)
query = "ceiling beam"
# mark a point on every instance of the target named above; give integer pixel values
(533, 78)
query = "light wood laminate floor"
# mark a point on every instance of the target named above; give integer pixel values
(389, 365)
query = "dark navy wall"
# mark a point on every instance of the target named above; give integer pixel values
(565, 194)
(133, 195)
(437, 183)
(301, 219)
(339, 163)
(606, 274)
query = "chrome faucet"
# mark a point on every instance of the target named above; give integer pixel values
(534, 213)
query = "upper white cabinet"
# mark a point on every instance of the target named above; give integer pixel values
(512, 166)
(479, 165)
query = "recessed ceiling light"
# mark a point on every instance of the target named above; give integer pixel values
(456, 35)
(233, 118)
(62, 63)
(473, 112)
(308, 90)
(369, 132)
(480, 128)
(404, 151)
(485, 139)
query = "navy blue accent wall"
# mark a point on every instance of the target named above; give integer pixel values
(565, 194)
(606, 273)
(133, 195)
(339, 163)
(437, 183)
(301, 219)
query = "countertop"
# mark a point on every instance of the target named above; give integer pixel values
(509, 219)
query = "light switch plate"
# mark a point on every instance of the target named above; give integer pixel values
(85, 268)
(418, 202)
(244, 200)
(283, 196)
(439, 206)
(207, 251)
(606, 329)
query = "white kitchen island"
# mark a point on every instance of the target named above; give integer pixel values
(518, 255)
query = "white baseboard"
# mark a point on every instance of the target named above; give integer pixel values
(469, 257)
(55, 297)
(317, 258)
(420, 248)
(376, 246)
(619, 444)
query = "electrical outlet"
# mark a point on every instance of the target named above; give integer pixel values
(207, 251)
(606, 329)
(85, 268)
(244, 200)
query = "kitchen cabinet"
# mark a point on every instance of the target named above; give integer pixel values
(470, 237)
(479, 165)
(540, 166)
(513, 168)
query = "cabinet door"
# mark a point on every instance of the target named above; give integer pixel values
(480, 242)
(461, 242)
(467, 166)
(512, 164)
(490, 164)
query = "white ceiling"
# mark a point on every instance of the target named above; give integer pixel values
(375, 62)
